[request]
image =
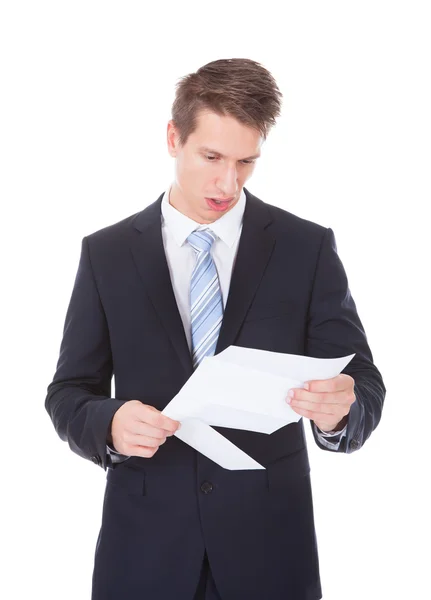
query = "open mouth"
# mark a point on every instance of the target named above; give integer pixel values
(217, 204)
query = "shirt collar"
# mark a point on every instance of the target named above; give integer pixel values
(226, 228)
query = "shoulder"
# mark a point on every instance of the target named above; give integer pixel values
(284, 223)
(150, 216)
(121, 233)
(114, 232)
(287, 220)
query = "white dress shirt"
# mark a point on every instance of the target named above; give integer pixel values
(181, 258)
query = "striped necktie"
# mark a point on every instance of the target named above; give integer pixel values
(206, 303)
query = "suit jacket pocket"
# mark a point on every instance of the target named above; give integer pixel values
(288, 470)
(127, 479)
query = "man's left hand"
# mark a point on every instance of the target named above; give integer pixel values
(326, 401)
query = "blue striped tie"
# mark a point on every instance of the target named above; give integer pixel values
(206, 303)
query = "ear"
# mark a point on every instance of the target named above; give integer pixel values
(172, 138)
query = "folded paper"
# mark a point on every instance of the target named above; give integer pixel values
(243, 388)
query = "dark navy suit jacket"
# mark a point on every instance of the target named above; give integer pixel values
(288, 293)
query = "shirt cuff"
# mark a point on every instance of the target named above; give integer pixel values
(115, 456)
(330, 439)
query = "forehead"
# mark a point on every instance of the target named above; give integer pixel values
(225, 135)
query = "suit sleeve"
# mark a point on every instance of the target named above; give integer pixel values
(335, 330)
(79, 397)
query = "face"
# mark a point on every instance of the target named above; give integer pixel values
(215, 162)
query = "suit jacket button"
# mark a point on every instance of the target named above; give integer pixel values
(207, 487)
(96, 459)
(354, 444)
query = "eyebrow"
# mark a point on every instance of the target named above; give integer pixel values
(210, 151)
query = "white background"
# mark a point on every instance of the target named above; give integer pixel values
(86, 91)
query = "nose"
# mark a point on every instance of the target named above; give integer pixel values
(227, 182)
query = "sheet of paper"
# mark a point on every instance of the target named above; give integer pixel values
(211, 443)
(243, 388)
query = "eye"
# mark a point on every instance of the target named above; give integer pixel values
(214, 158)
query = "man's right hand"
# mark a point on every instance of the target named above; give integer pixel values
(138, 429)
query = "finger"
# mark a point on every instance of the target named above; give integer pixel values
(155, 418)
(313, 415)
(317, 398)
(143, 440)
(142, 451)
(139, 428)
(335, 384)
(322, 408)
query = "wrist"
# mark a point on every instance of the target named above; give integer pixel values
(338, 427)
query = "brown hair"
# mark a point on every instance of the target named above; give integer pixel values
(238, 87)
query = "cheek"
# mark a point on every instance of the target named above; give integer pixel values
(195, 170)
(248, 172)
(202, 178)
(188, 173)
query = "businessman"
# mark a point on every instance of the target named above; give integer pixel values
(205, 266)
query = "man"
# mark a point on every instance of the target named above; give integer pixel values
(205, 266)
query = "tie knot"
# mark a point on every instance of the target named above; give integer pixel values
(201, 240)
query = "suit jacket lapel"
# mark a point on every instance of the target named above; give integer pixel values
(254, 250)
(150, 259)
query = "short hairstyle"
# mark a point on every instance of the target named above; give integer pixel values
(238, 87)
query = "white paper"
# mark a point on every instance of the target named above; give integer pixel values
(243, 388)
(204, 438)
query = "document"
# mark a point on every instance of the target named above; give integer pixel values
(243, 388)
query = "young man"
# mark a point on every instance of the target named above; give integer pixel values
(205, 266)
